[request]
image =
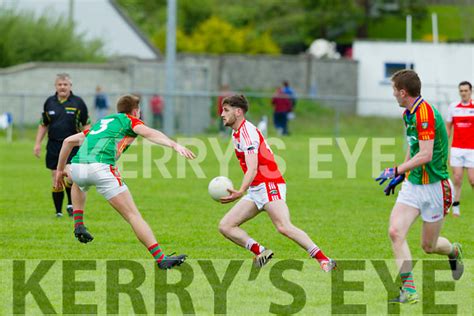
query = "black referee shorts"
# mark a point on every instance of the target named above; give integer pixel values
(52, 153)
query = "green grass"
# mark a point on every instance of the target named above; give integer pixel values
(346, 217)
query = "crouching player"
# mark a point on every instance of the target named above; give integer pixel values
(94, 165)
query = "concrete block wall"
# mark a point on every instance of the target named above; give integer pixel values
(24, 88)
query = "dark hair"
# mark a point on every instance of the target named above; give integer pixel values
(127, 103)
(407, 80)
(286, 83)
(465, 83)
(237, 101)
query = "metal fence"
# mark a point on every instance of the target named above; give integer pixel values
(196, 112)
(191, 111)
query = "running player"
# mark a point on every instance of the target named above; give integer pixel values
(460, 122)
(428, 191)
(265, 187)
(64, 114)
(94, 165)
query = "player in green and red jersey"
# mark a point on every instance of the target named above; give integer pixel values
(94, 165)
(427, 190)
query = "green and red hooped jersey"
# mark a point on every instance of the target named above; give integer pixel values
(423, 123)
(107, 139)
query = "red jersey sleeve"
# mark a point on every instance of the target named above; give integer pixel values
(135, 121)
(425, 122)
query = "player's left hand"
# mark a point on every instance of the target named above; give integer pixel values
(234, 195)
(388, 173)
(390, 188)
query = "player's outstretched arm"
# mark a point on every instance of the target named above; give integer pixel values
(68, 144)
(159, 138)
(42, 130)
(251, 160)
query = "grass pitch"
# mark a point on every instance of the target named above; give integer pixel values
(347, 216)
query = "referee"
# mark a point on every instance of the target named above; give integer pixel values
(64, 114)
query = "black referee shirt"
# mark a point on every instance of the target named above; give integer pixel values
(64, 118)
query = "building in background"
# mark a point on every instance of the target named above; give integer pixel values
(100, 19)
(440, 66)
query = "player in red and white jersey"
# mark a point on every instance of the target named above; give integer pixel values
(265, 187)
(460, 123)
(247, 139)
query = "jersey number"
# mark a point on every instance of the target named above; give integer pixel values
(103, 126)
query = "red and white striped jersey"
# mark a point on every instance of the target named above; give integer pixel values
(462, 117)
(248, 139)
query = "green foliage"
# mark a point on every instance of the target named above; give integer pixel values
(217, 36)
(191, 14)
(330, 19)
(294, 24)
(24, 38)
(149, 15)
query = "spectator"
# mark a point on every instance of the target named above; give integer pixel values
(290, 92)
(101, 103)
(281, 107)
(156, 106)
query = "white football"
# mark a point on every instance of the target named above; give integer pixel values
(218, 187)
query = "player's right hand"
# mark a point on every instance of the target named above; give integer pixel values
(183, 151)
(390, 188)
(37, 150)
(59, 179)
(233, 195)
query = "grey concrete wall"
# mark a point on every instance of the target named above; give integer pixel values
(24, 88)
(334, 81)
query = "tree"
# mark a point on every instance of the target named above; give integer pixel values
(217, 36)
(24, 38)
(377, 11)
(291, 24)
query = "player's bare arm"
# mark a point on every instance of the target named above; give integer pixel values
(68, 144)
(159, 138)
(42, 130)
(407, 156)
(449, 126)
(424, 156)
(252, 164)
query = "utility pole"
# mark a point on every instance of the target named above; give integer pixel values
(71, 13)
(170, 68)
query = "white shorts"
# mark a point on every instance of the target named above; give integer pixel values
(461, 157)
(266, 192)
(433, 200)
(106, 178)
